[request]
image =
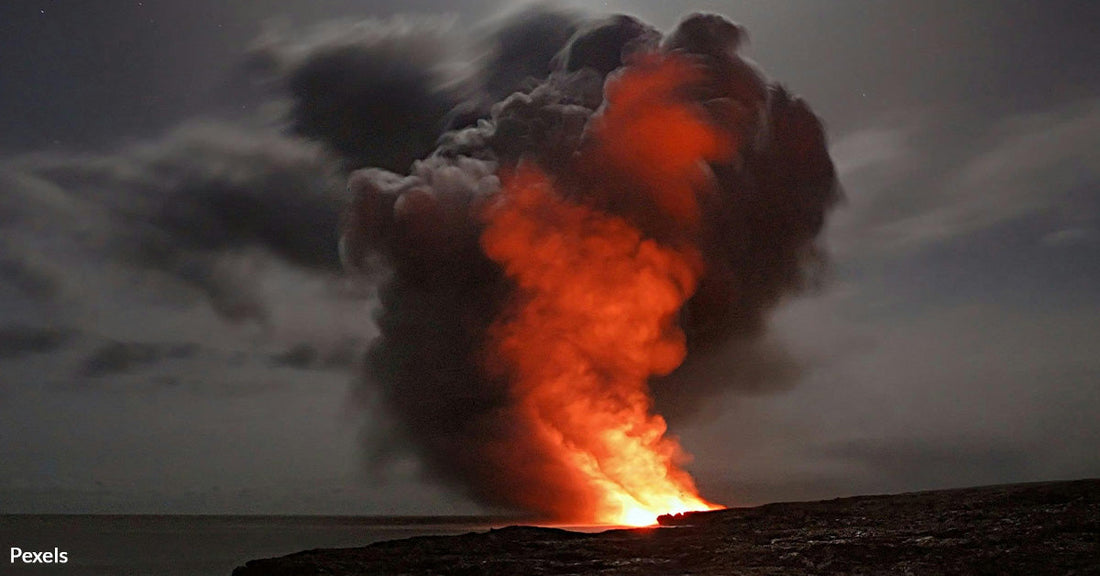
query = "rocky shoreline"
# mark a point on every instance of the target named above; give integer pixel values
(1033, 529)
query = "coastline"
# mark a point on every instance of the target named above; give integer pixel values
(1035, 529)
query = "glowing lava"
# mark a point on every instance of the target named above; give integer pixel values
(598, 301)
(596, 317)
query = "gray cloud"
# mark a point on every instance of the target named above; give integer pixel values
(27, 277)
(932, 463)
(306, 356)
(192, 205)
(1073, 237)
(1040, 164)
(115, 358)
(941, 396)
(16, 341)
(119, 358)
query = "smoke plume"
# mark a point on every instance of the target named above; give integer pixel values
(568, 253)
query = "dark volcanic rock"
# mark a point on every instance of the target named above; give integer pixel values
(1032, 529)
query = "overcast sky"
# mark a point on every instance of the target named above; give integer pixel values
(160, 354)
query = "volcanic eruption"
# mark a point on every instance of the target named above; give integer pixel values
(565, 250)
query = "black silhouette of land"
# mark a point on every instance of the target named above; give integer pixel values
(1033, 529)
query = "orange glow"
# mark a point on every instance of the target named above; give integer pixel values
(596, 318)
(650, 135)
(598, 302)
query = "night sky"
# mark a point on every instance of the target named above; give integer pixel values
(176, 335)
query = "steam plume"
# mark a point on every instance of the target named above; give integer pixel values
(670, 157)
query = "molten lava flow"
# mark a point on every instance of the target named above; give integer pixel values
(598, 300)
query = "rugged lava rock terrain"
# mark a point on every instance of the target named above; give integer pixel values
(1033, 529)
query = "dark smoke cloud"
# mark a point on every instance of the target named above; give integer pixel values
(603, 46)
(521, 50)
(745, 365)
(758, 237)
(381, 93)
(375, 92)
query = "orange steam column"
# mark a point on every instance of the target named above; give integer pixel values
(598, 299)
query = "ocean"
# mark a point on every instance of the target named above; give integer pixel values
(198, 545)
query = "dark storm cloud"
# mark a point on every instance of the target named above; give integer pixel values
(187, 205)
(759, 242)
(17, 341)
(374, 92)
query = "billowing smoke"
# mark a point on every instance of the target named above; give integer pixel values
(376, 93)
(670, 158)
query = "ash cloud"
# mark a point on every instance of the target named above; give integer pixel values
(759, 237)
(381, 93)
(376, 93)
(602, 45)
(520, 51)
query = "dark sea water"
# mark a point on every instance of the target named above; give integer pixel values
(198, 545)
